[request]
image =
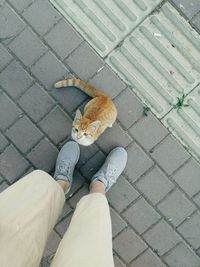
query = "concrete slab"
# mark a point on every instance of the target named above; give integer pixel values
(105, 23)
(155, 63)
(184, 123)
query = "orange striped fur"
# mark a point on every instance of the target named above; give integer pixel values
(99, 113)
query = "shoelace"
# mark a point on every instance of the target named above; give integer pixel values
(107, 177)
(110, 172)
(64, 168)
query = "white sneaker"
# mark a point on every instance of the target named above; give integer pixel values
(113, 166)
(66, 161)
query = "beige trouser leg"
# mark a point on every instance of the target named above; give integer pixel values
(29, 210)
(88, 240)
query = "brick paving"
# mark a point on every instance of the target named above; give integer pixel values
(155, 206)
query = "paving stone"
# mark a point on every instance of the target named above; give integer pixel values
(52, 244)
(190, 229)
(148, 131)
(170, 154)
(182, 256)
(65, 211)
(44, 262)
(62, 226)
(196, 22)
(121, 194)
(176, 207)
(41, 15)
(129, 107)
(84, 61)
(3, 186)
(70, 98)
(31, 169)
(188, 8)
(75, 199)
(27, 47)
(188, 177)
(20, 5)
(43, 155)
(118, 224)
(107, 142)
(148, 258)
(15, 80)
(141, 215)
(12, 164)
(5, 57)
(24, 134)
(63, 39)
(81, 107)
(36, 102)
(197, 199)
(11, 23)
(50, 259)
(118, 262)
(155, 185)
(138, 162)
(3, 142)
(78, 182)
(93, 165)
(57, 125)
(48, 69)
(8, 110)
(198, 252)
(161, 237)
(86, 152)
(107, 81)
(134, 245)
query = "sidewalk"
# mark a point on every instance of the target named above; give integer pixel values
(155, 206)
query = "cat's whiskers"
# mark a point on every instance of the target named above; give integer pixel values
(99, 113)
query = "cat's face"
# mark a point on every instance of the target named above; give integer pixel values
(83, 131)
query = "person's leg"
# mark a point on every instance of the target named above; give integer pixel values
(64, 185)
(97, 187)
(30, 208)
(88, 240)
(65, 164)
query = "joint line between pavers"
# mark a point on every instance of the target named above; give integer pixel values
(44, 42)
(18, 177)
(122, 41)
(165, 219)
(35, 80)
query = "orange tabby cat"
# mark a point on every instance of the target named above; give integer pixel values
(99, 113)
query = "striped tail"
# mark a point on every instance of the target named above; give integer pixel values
(83, 86)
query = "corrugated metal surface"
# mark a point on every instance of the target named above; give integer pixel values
(185, 123)
(104, 23)
(160, 60)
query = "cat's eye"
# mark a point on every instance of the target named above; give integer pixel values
(86, 134)
(76, 130)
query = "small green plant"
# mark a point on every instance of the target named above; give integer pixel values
(180, 103)
(146, 111)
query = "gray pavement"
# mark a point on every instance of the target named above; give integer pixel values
(155, 206)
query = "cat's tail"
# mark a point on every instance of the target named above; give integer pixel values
(85, 87)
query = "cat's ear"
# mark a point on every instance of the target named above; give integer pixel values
(78, 115)
(95, 125)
